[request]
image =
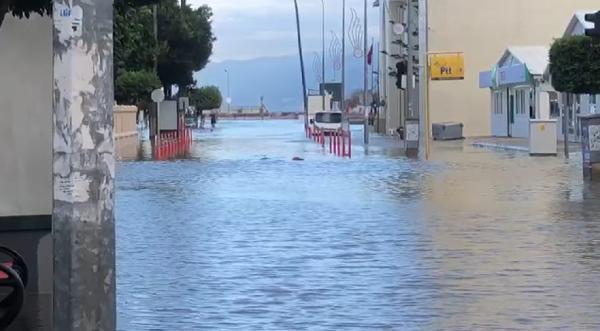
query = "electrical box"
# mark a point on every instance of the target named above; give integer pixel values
(542, 137)
(447, 131)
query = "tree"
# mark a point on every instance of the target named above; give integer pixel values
(24, 8)
(135, 87)
(135, 48)
(205, 98)
(575, 65)
(188, 38)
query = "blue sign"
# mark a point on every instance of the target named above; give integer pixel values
(485, 79)
(511, 75)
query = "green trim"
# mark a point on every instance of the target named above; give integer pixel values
(26, 223)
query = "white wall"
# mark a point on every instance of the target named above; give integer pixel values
(26, 116)
(483, 30)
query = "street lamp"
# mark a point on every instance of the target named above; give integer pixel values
(323, 55)
(228, 100)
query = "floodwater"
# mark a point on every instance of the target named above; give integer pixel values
(240, 237)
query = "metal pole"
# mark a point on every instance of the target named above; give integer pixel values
(155, 29)
(410, 63)
(366, 74)
(323, 53)
(366, 60)
(343, 55)
(301, 64)
(228, 93)
(423, 81)
(565, 108)
(83, 223)
(411, 118)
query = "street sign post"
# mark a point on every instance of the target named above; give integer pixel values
(158, 96)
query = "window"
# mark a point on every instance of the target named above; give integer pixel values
(521, 100)
(328, 117)
(594, 107)
(498, 103)
(554, 106)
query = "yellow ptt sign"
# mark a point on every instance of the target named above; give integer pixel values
(447, 66)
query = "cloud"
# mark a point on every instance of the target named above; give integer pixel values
(256, 28)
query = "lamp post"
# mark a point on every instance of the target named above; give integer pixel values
(228, 92)
(323, 55)
(304, 96)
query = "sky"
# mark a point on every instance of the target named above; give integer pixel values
(247, 29)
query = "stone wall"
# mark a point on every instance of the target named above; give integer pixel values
(125, 122)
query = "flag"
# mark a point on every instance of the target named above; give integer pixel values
(370, 56)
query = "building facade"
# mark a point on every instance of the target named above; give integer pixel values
(479, 29)
(518, 90)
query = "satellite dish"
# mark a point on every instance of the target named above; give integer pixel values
(398, 28)
(158, 95)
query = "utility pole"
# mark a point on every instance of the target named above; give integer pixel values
(424, 135)
(301, 64)
(83, 224)
(412, 119)
(228, 92)
(155, 29)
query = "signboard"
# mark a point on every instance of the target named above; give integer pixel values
(447, 66)
(158, 95)
(515, 74)
(485, 79)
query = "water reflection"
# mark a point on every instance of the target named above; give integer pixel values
(239, 237)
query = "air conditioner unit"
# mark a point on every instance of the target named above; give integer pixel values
(447, 131)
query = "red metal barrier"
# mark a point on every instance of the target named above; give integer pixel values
(350, 144)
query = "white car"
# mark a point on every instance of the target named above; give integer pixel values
(328, 121)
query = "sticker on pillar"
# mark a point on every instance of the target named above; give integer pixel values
(68, 21)
(77, 21)
(412, 132)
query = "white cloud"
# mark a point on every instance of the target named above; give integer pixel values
(256, 28)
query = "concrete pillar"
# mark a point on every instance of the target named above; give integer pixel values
(83, 166)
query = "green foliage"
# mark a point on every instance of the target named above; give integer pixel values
(205, 98)
(188, 38)
(575, 65)
(135, 87)
(134, 45)
(23, 8)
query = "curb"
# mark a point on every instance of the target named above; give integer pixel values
(500, 146)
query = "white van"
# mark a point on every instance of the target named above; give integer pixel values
(328, 121)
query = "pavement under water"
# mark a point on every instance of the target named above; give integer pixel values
(238, 236)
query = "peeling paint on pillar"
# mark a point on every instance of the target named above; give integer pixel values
(84, 166)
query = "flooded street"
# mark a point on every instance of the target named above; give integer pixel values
(240, 237)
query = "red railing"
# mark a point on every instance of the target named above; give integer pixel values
(174, 144)
(340, 141)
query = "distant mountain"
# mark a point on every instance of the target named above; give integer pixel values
(278, 79)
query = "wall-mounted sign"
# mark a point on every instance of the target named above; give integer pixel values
(447, 66)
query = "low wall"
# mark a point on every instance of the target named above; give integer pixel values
(125, 122)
